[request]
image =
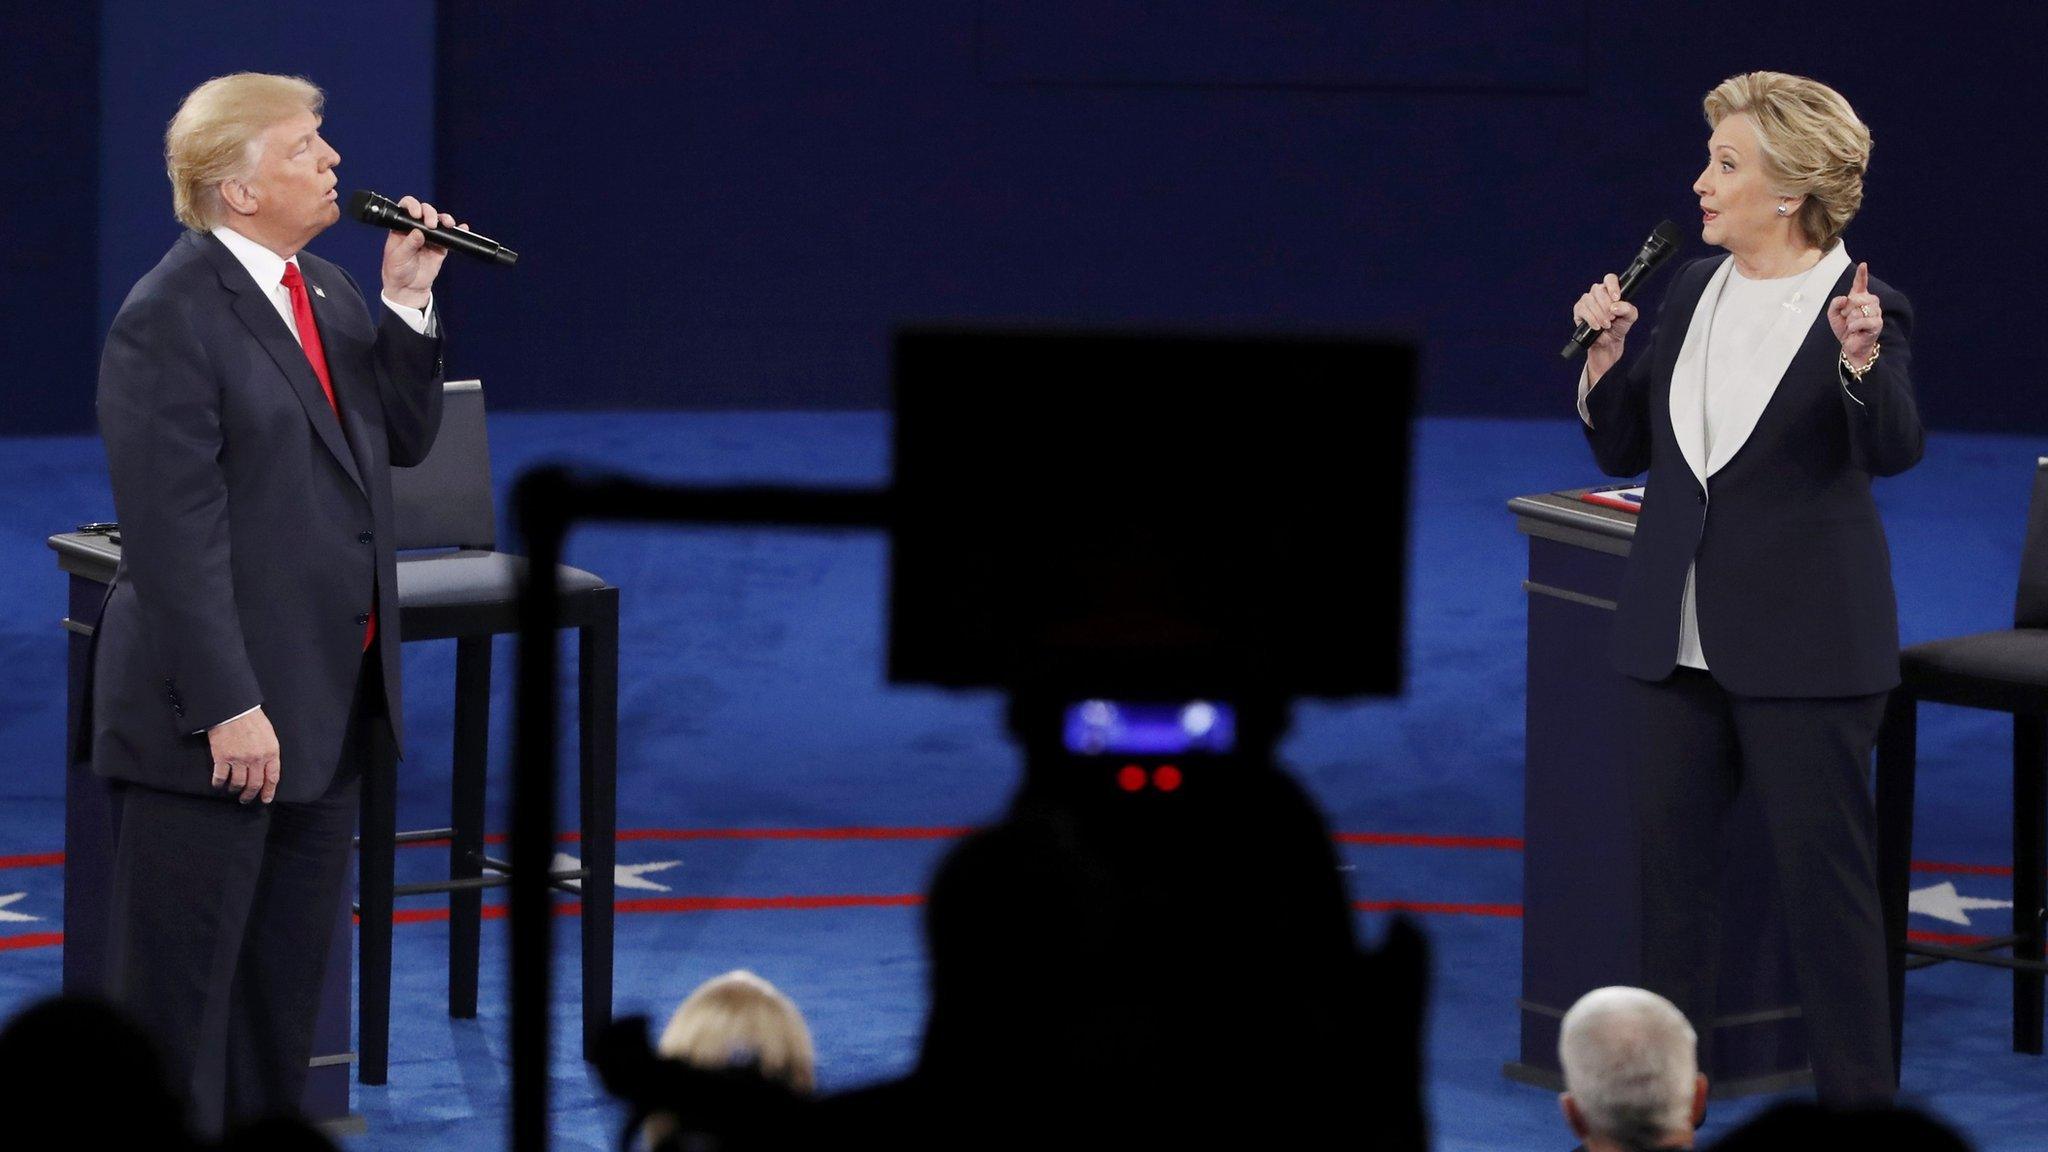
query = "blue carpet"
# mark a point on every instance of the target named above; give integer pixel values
(752, 697)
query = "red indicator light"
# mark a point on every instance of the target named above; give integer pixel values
(1166, 778)
(1130, 778)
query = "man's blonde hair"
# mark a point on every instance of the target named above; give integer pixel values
(216, 133)
(1813, 145)
(739, 1020)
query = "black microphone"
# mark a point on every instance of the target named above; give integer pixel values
(371, 208)
(1657, 249)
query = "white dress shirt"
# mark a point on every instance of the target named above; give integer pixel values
(267, 269)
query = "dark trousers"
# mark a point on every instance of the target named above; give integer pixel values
(1692, 745)
(223, 914)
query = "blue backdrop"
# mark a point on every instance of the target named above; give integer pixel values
(732, 204)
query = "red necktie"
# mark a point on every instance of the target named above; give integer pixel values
(316, 355)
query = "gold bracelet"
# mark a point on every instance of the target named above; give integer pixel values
(1867, 364)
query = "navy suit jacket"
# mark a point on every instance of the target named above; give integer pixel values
(1792, 579)
(256, 534)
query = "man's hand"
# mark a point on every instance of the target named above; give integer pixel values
(245, 755)
(410, 263)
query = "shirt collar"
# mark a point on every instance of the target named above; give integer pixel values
(265, 267)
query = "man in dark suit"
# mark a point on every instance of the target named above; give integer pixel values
(246, 673)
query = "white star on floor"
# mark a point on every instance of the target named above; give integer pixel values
(623, 875)
(1943, 903)
(7, 917)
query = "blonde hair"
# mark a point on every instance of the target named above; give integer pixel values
(1630, 1061)
(1812, 142)
(739, 1020)
(215, 135)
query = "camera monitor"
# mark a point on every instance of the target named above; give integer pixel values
(1152, 516)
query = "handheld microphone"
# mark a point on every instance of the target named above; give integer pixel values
(1657, 249)
(371, 208)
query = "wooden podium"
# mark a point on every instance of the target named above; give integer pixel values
(89, 827)
(1580, 898)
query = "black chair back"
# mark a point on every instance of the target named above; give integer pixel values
(444, 501)
(2031, 611)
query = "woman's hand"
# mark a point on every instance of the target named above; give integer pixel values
(1603, 309)
(1857, 319)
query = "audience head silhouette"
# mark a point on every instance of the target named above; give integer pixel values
(80, 1065)
(1802, 1126)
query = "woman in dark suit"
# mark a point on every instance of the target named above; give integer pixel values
(1757, 626)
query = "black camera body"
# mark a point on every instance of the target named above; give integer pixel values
(1152, 541)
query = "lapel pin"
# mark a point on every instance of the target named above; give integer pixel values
(318, 292)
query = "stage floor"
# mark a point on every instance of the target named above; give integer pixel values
(783, 806)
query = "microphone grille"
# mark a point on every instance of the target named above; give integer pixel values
(364, 204)
(1666, 234)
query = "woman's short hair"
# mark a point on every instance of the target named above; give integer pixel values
(739, 1020)
(215, 136)
(1813, 145)
(1630, 1061)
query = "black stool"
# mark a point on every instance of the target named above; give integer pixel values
(468, 592)
(2005, 672)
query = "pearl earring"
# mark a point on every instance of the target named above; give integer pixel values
(1782, 210)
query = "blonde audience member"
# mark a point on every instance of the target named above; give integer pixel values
(739, 1020)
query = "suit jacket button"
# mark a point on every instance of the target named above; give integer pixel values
(362, 618)
(365, 537)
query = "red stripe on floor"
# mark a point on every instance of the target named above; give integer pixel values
(1368, 839)
(1952, 939)
(629, 835)
(686, 904)
(31, 940)
(1962, 869)
(1437, 908)
(762, 903)
(1400, 840)
(793, 833)
(675, 904)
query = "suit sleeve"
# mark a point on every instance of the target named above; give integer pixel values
(1616, 411)
(409, 386)
(160, 415)
(1885, 435)
(408, 383)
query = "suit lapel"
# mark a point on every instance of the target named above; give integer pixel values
(1763, 375)
(269, 331)
(1689, 377)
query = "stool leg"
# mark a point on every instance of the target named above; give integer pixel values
(375, 863)
(466, 848)
(1897, 749)
(2029, 836)
(597, 745)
